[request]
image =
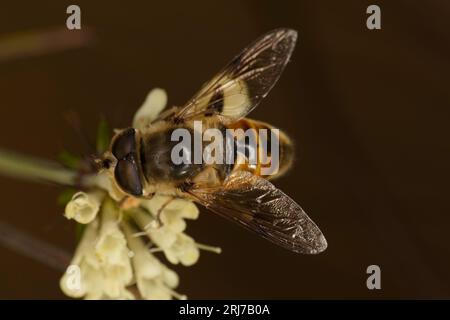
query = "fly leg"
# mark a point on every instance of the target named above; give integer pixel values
(185, 186)
(160, 210)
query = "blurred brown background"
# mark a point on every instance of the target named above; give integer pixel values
(368, 110)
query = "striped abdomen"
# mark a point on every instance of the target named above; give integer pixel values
(265, 164)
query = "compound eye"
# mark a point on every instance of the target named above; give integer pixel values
(127, 177)
(124, 144)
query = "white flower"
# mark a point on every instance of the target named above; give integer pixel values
(83, 207)
(154, 103)
(177, 246)
(71, 283)
(183, 250)
(154, 280)
(174, 213)
(103, 260)
(111, 246)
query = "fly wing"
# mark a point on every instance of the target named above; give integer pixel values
(244, 82)
(258, 205)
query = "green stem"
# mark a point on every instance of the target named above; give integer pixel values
(30, 168)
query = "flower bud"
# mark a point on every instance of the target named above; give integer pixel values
(83, 207)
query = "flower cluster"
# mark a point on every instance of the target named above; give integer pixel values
(116, 255)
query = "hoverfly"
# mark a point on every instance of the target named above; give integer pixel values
(140, 159)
